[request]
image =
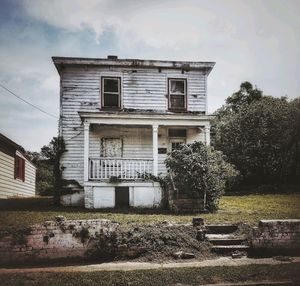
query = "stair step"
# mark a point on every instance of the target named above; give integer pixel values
(229, 248)
(224, 236)
(221, 228)
(227, 241)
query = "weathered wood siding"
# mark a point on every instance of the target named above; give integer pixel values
(9, 186)
(144, 89)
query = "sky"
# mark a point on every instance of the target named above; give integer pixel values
(257, 41)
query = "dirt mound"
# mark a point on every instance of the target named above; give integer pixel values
(154, 242)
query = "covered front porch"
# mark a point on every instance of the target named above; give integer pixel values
(125, 149)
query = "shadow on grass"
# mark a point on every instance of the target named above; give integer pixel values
(45, 204)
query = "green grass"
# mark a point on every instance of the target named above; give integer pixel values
(186, 276)
(19, 213)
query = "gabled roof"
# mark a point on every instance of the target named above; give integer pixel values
(59, 62)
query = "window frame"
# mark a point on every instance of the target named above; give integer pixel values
(184, 95)
(119, 93)
(19, 168)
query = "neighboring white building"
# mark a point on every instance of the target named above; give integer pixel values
(120, 118)
(17, 173)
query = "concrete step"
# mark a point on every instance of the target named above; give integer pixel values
(226, 249)
(221, 228)
(223, 236)
(227, 241)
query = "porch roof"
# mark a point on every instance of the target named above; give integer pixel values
(145, 119)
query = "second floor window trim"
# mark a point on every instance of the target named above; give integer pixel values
(177, 94)
(110, 92)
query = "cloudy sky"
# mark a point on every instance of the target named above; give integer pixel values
(249, 40)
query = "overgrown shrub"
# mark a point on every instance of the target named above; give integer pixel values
(199, 171)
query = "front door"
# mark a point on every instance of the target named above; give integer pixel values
(122, 197)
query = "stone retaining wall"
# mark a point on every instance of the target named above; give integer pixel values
(54, 240)
(273, 235)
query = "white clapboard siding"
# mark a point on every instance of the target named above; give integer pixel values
(143, 88)
(11, 187)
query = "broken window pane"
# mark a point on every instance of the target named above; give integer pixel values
(177, 94)
(177, 86)
(111, 85)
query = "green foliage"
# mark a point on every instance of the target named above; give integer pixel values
(48, 173)
(44, 173)
(245, 95)
(200, 172)
(260, 135)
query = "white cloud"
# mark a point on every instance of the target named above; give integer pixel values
(250, 40)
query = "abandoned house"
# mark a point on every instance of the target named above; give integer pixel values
(120, 118)
(17, 173)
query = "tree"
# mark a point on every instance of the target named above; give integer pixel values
(199, 171)
(44, 173)
(260, 136)
(244, 96)
(48, 176)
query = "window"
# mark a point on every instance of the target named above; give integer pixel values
(19, 168)
(177, 94)
(111, 147)
(176, 143)
(111, 92)
(177, 133)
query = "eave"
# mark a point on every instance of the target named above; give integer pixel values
(60, 62)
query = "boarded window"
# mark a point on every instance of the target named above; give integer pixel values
(111, 147)
(111, 92)
(177, 133)
(177, 94)
(19, 168)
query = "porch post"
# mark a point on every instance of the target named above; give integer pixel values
(86, 126)
(207, 135)
(155, 149)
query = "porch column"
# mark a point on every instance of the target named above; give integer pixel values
(86, 126)
(207, 135)
(155, 149)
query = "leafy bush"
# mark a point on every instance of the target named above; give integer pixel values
(199, 171)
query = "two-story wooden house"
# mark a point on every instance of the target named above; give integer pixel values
(120, 118)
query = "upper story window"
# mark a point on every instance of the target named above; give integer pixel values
(111, 92)
(19, 168)
(177, 94)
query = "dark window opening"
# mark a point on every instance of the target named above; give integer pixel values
(111, 92)
(19, 168)
(181, 133)
(177, 94)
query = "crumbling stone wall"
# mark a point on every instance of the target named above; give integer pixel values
(54, 240)
(275, 235)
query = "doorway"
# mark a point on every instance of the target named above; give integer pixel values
(122, 197)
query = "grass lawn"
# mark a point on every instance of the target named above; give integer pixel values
(182, 276)
(19, 213)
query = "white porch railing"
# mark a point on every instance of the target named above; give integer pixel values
(127, 169)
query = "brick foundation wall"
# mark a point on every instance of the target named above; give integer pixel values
(54, 240)
(275, 235)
